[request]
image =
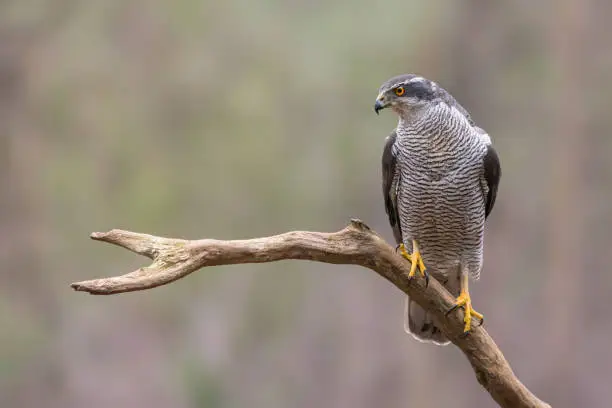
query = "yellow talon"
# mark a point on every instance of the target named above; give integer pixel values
(464, 300)
(415, 259)
(404, 253)
(417, 263)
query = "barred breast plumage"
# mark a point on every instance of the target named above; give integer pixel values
(440, 199)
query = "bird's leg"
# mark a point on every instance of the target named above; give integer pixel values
(465, 302)
(416, 261)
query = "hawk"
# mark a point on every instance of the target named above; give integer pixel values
(440, 179)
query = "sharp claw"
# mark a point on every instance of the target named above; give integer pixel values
(481, 322)
(452, 309)
(426, 278)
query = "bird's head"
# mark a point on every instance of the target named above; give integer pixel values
(406, 94)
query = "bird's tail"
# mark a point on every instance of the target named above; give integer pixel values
(420, 324)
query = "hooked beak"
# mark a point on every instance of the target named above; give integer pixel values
(380, 103)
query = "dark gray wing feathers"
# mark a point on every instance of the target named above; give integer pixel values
(390, 179)
(492, 174)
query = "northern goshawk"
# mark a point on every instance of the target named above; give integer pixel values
(440, 179)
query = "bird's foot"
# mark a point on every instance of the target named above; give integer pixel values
(464, 301)
(416, 263)
(402, 250)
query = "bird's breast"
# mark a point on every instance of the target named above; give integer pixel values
(444, 210)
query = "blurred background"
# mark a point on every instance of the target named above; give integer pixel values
(246, 118)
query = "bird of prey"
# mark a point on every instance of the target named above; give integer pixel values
(440, 179)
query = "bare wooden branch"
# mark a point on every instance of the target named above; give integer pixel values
(356, 244)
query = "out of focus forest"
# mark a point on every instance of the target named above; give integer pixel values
(241, 118)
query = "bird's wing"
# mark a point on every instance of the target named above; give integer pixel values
(390, 179)
(492, 174)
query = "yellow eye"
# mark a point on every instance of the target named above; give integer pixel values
(399, 91)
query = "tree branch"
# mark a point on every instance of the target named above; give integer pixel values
(356, 244)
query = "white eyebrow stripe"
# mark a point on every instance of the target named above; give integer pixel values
(432, 84)
(416, 79)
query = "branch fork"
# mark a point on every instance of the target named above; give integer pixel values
(356, 244)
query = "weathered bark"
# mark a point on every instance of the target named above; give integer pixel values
(356, 244)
